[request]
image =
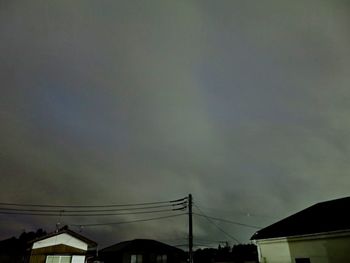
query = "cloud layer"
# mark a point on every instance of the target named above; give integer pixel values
(243, 104)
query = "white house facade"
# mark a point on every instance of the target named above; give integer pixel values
(318, 234)
(64, 246)
(321, 248)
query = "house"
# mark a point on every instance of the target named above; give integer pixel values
(318, 234)
(142, 251)
(63, 246)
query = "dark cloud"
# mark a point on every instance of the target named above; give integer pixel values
(243, 104)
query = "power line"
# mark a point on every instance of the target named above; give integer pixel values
(173, 239)
(92, 214)
(83, 210)
(219, 228)
(183, 204)
(236, 213)
(128, 222)
(92, 206)
(229, 221)
(180, 245)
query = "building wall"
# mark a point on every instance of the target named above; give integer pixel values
(276, 251)
(39, 255)
(333, 248)
(325, 250)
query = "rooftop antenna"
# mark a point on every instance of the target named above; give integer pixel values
(58, 224)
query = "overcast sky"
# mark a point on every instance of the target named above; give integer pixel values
(244, 104)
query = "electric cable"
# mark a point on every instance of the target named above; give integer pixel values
(127, 222)
(229, 221)
(219, 228)
(83, 215)
(91, 206)
(90, 210)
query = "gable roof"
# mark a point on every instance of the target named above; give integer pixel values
(323, 217)
(144, 244)
(89, 242)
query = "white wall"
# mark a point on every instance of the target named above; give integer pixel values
(331, 249)
(274, 251)
(326, 248)
(63, 238)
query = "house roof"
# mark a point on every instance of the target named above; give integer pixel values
(144, 244)
(69, 232)
(323, 217)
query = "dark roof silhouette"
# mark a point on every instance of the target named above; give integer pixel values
(144, 244)
(323, 217)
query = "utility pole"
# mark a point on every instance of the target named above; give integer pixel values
(190, 230)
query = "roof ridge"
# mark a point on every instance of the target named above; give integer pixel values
(68, 231)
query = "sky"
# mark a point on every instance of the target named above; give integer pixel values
(243, 104)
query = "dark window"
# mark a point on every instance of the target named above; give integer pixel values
(302, 260)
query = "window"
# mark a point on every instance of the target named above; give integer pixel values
(58, 259)
(162, 259)
(302, 260)
(136, 259)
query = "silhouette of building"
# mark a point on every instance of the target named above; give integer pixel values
(63, 246)
(320, 233)
(142, 251)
